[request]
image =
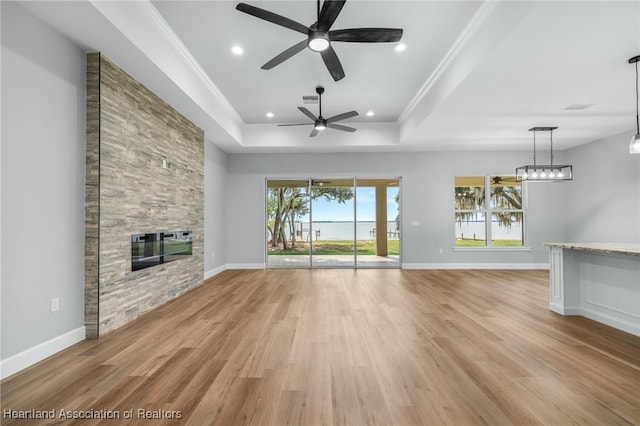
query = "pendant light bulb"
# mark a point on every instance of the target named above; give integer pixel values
(634, 145)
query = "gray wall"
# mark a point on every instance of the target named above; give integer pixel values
(215, 218)
(427, 198)
(604, 200)
(42, 181)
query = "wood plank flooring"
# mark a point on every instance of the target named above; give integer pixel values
(346, 347)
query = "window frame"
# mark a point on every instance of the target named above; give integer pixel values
(488, 212)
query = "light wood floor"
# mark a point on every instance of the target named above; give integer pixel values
(350, 347)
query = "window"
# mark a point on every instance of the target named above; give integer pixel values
(493, 221)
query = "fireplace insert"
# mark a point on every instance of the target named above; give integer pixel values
(160, 247)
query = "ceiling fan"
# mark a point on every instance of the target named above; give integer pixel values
(319, 35)
(320, 123)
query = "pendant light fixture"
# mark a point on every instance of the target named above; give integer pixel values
(634, 145)
(544, 172)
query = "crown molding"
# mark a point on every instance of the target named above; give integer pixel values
(142, 24)
(489, 26)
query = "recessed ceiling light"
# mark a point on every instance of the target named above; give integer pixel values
(269, 115)
(370, 113)
(237, 50)
(401, 47)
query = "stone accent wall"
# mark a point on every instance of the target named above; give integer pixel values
(137, 133)
(92, 197)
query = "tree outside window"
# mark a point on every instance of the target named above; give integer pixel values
(493, 221)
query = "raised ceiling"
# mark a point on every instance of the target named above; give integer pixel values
(475, 75)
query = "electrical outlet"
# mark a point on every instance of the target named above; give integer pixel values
(213, 255)
(55, 304)
(441, 251)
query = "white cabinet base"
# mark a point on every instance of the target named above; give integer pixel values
(602, 286)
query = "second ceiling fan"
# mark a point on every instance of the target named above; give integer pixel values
(320, 123)
(320, 36)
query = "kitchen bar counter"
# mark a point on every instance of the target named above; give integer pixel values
(611, 248)
(600, 281)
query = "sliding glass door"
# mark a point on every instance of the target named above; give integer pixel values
(288, 215)
(333, 223)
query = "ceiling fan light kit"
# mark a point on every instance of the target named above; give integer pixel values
(320, 36)
(319, 41)
(634, 144)
(544, 172)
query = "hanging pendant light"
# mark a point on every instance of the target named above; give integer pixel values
(634, 145)
(544, 172)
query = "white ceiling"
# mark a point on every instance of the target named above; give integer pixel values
(475, 75)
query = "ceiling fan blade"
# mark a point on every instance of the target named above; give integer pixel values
(330, 11)
(273, 18)
(366, 35)
(332, 62)
(341, 127)
(342, 116)
(308, 113)
(314, 132)
(296, 48)
(295, 124)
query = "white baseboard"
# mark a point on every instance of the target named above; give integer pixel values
(219, 269)
(246, 266)
(565, 310)
(475, 266)
(602, 317)
(615, 321)
(215, 271)
(222, 268)
(28, 357)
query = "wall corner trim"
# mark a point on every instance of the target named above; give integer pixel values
(33, 355)
(215, 271)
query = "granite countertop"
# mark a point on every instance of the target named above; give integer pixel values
(612, 248)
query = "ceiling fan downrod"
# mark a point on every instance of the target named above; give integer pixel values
(321, 124)
(320, 91)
